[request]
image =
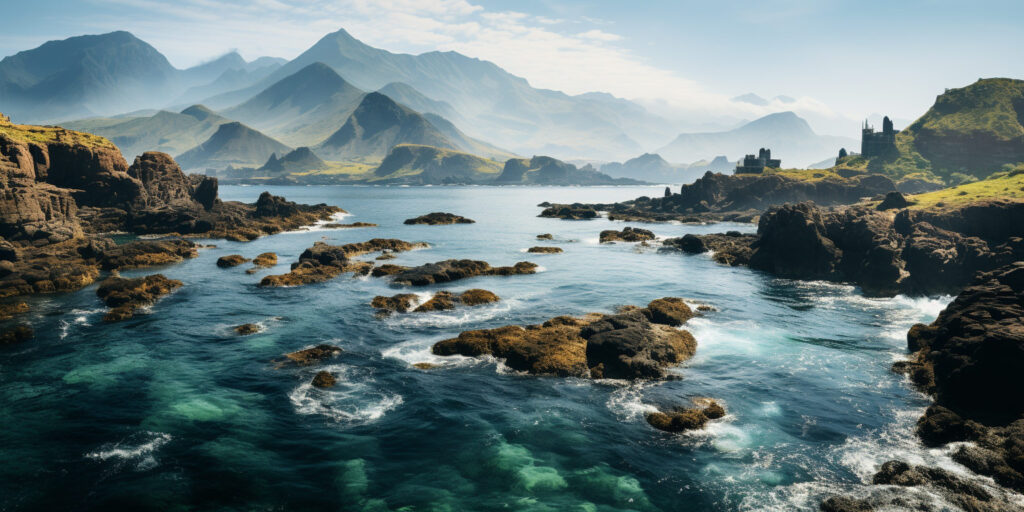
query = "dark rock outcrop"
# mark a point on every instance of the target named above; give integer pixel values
(628, 234)
(247, 329)
(312, 355)
(627, 345)
(125, 295)
(453, 270)
(324, 379)
(569, 212)
(544, 250)
(17, 334)
(439, 218)
(687, 418)
(893, 201)
(323, 262)
(732, 248)
(231, 260)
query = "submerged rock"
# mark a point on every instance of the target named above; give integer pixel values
(324, 379)
(626, 345)
(247, 329)
(17, 334)
(452, 270)
(232, 260)
(439, 218)
(9, 310)
(544, 250)
(124, 296)
(425, 366)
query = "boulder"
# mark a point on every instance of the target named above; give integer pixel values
(893, 200)
(308, 356)
(544, 250)
(452, 270)
(689, 418)
(324, 379)
(439, 218)
(247, 329)
(232, 260)
(628, 234)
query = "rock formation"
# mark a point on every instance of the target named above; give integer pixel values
(634, 344)
(452, 270)
(628, 234)
(439, 218)
(323, 262)
(544, 250)
(124, 296)
(687, 418)
(569, 212)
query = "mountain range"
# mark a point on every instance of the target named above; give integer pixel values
(786, 134)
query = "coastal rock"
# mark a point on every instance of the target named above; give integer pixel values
(387, 269)
(439, 218)
(247, 329)
(312, 355)
(125, 295)
(335, 225)
(845, 504)
(400, 303)
(452, 270)
(265, 260)
(732, 248)
(544, 250)
(569, 212)
(441, 301)
(147, 253)
(9, 310)
(893, 200)
(793, 242)
(626, 345)
(323, 262)
(232, 260)
(324, 379)
(545, 236)
(477, 296)
(628, 234)
(690, 418)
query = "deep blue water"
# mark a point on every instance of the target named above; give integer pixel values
(172, 411)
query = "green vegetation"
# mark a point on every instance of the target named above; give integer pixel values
(49, 135)
(1007, 184)
(810, 175)
(968, 134)
(355, 170)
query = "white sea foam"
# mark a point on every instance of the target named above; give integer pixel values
(141, 455)
(319, 225)
(353, 399)
(627, 402)
(459, 316)
(80, 317)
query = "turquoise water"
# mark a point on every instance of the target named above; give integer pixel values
(172, 411)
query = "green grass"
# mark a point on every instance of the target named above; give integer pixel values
(50, 134)
(809, 175)
(1003, 185)
(356, 170)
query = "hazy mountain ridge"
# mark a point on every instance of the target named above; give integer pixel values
(170, 132)
(233, 144)
(786, 134)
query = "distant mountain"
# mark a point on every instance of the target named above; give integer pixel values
(786, 134)
(496, 104)
(209, 71)
(170, 132)
(302, 108)
(300, 160)
(465, 142)
(233, 75)
(655, 169)
(377, 125)
(83, 76)
(233, 144)
(407, 95)
(427, 165)
(752, 99)
(544, 170)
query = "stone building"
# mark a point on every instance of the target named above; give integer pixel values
(874, 143)
(756, 164)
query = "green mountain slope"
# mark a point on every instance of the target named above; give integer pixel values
(232, 144)
(544, 170)
(377, 125)
(300, 160)
(170, 132)
(427, 165)
(970, 132)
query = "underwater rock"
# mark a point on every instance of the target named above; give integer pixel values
(9, 310)
(124, 296)
(628, 234)
(452, 270)
(425, 366)
(231, 260)
(544, 250)
(439, 218)
(626, 345)
(17, 334)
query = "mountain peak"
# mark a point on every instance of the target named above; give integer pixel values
(199, 112)
(782, 121)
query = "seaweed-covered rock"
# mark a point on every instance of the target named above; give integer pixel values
(628, 234)
(570, 212)
(439, 218)
(231, 260)
(452, 270)
(308, 356)
(125, 295)
(323, 262)
(689, 418)
(324, 379)
(247, 329)
(544, 250)
(17, 334)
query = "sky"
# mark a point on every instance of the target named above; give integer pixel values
(842, 60)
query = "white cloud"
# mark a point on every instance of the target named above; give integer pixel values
(599, 35)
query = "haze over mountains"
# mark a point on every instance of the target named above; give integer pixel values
(319, 100)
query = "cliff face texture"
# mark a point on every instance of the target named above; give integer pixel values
(60, 190)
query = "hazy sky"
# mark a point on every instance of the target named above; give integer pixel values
(848, 58)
